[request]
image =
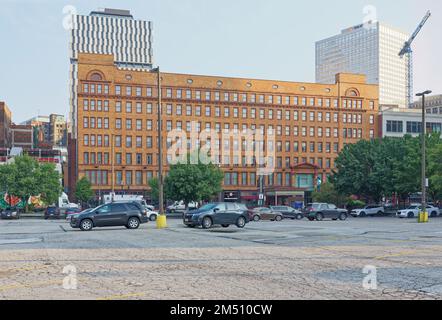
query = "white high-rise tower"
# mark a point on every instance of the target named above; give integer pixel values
(371, 49)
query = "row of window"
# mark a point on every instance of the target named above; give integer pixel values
(276, 179)
(137, 124)
(142, 178)
(93, 140)
(229, 112)
(98, 158)
(189, 94)
(412, 127)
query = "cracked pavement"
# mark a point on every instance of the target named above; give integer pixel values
(266, 260)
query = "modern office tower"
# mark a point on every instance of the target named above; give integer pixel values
(109, 31)
(371, 49)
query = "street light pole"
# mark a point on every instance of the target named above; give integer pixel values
(424, 160)
(161, 221)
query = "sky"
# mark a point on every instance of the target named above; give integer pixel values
(264, 39)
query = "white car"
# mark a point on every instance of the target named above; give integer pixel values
(368, 211)
(413, 212)
(153, 215)
(180, 206)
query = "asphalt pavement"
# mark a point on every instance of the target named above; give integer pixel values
(265, 260)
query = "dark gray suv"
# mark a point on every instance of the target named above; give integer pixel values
(224, 214)
(127, 214)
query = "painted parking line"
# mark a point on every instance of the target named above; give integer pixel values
(122, 296)
(403, 254)
(28, 268)
(30, 285)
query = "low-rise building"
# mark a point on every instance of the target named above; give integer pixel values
(5, 125)
(433, 104)
(58, 130)
(397, 122)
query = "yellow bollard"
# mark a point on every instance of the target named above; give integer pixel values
(423, 217)
(161, 222)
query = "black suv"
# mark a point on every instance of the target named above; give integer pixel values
(224, 214)
(127, 214)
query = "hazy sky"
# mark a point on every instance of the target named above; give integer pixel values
(270, 39)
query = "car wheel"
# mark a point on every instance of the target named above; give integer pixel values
(153, 217)
(225, 225)
(343, 216)
(133, 223)
(256, 218)
(363, 215)
(299, 217)
(410, 215)
(319, 217)
(380, 213)
(278, 218)
(207, 223)
(241, 222)
(86, 225)
(433, 214)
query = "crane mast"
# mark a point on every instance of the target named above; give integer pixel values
(408, 52)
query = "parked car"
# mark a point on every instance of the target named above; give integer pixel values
(266, 214)
(288, 212)
(180, 206)
(321, 211)
(10, 214)
(413, 211)
(52, 212)
(373, 210)
(70, 213)
(224, 214)
(127, 214)
(151, 213)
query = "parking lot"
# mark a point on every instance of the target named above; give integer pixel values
(266, 260)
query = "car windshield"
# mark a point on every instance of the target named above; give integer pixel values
(412, 208)
(208, 207)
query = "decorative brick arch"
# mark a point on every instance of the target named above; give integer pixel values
(96, 75)
(352, 92)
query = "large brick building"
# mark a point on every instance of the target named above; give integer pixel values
(116, 126)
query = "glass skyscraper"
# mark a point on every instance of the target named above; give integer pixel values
(371, 49)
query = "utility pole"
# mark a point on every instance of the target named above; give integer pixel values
(113, 166)
(161, 221)
(423, 216)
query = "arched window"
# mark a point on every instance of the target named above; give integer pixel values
(352, 93)
(96, 77)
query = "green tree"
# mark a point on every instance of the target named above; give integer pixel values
(26, 178)
(435, 171)
(154, 191)
(328, 194)
(360, 170)
(193, 182)
(83, 190)
(49, 187)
